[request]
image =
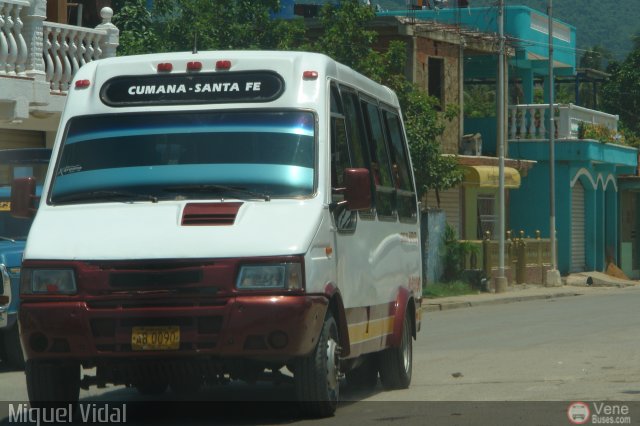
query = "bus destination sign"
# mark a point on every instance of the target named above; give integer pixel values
(187, 89)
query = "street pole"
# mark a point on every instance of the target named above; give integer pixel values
(501, 280)
(553, 275)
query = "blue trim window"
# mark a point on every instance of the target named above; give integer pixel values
(193, 155)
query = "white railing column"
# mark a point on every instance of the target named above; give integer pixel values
(11, 39)
(511, 126)
(57, 63)
(541, 130)
(66, 64)
(4, 44)
(21, 45)
(110, 43)
(33, 30)
(48, 53)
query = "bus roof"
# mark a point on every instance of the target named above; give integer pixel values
(290, 65)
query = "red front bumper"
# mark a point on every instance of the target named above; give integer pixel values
(233, 327)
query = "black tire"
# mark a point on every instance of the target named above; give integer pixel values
(396, 364)
(187, 385)
(51, 383)
(3, 355)
(316, 379)
(13, 348)
(151, 387)
(365, 376)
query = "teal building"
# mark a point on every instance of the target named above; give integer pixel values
(592, 206)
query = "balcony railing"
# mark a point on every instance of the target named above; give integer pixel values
(33, 48)
(529, 122)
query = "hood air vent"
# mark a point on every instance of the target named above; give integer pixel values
(210, 214)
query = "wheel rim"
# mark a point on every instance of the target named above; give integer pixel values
(333, 364)
(406, 349)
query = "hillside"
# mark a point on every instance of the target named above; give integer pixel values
(607, 23)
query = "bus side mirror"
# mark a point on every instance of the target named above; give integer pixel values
(357, 192)
(23, 198)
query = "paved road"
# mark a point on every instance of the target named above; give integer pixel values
(565, 349)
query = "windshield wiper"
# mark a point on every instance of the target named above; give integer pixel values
(7, 239)
(107, 195)
(217, 189)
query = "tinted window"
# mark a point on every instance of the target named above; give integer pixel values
(399, 159)
(154, 153)
(379, 154)
(355, 131)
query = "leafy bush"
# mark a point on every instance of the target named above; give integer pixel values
(599, 132)
(455, 253)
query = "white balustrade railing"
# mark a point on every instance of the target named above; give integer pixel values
(13, 46)
(528, 122)
(33, 48)
(67, 48)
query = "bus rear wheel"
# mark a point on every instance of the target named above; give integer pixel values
(396, 364)
(317, 376)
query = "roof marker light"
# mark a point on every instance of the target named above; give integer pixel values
(81, 84)
(310, 75)
(165, 67)
(223, 65)
(194, 66)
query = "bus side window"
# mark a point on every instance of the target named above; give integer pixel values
(339, 148)
(340, 160)
(380, 165)
(339, 152)
(407, 207)
(355, 132)
(356, 137)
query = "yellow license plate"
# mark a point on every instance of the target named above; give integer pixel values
(155, 338)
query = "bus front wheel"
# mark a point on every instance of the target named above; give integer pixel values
(317, 375)
(49, 382)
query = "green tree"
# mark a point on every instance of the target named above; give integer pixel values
(210, 24)
(137, 28)
(596, 58)
(345, 37)
(621, 94)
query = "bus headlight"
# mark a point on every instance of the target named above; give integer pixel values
(48, 281)
(270, 276)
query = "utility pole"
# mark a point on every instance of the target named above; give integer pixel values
(553, 275)
(501, 280)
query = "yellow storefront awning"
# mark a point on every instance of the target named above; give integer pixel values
(488, 177)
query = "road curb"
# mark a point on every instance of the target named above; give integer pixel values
(446, 306)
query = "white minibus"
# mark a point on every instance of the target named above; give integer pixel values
(217, 216)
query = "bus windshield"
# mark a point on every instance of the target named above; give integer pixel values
(186, 155)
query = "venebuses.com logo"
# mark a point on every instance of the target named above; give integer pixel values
(580, 413)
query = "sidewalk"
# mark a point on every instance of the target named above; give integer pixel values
(574, 285)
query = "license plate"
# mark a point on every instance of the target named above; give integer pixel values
(155, 338)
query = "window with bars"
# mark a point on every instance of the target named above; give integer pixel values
(487, 217)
